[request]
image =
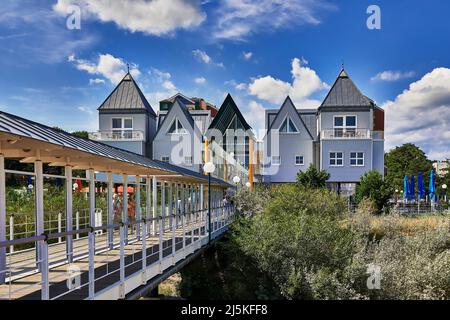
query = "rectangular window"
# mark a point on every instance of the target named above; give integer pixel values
(165, 159)
(276, 160)
(345, 126)
(357, 159)
(336, 159)
(299, 160)
(122, 128)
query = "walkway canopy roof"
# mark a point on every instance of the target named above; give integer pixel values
(31, 141)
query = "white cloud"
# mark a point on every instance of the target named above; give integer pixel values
(156, 17)
(106, 65)
(202, 56)
(162, 86)
(96, 81)
(238, 19)
(86, 110)
(420, 115)
(247, 55)
(255, 115)
(305, 82)
(241, 86)
(393, 75)
(200, 80)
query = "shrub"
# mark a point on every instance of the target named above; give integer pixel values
(312, 178)
(374, 188)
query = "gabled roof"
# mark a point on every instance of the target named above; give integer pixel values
(344, 93)
(181, 97)
(226, 114)
(288, 99)
(183, 109)
(12, 124)
(127, 96)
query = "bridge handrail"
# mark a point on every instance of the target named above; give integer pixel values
(4, 244)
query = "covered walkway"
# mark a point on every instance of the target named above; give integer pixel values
(57, 253)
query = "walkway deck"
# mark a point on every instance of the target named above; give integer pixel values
(25, 282)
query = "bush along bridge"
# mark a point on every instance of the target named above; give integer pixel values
(99, 251)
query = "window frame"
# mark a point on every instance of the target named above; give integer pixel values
(288, 119)
(177, 129)
(302, 162)
(336, 159)
(188, 163)
(122, 132)
(357, 158)
(344, 128)
(165, 157)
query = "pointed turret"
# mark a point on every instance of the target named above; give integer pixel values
(345, 93)
(126, 97)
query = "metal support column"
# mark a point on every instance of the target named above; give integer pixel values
(39, 200)
(92, 199)
(183, 214)
(110, 211)
(137, 198)
(161, 221)
(125, 206)
(155, 205)
(202, 206)
(69, 213)
(2, 219)
(148, 204)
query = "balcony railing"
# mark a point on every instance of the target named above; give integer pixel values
(118, 135)
(351, 134)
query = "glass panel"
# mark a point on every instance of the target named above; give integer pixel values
(173, 128)
(350, 121)
(360, 162)
(353, 155)
(361, 155)
(339, 121)
(283, 127)
(117, 123)
(128, 123)
(292, 128)
(332, 162)
(339, 162)
(353, 162)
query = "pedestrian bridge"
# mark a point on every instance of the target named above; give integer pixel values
(91, 248)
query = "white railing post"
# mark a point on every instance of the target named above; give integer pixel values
(202, 207)
(149, 204)
(91, 264)
(170, 206)
(11, 232)
(69, 213)
(125, 205)
(59, 226)
(144, 248)
(77, 223)
(155, 205)
(39, 200)
(92, 199)
(2, 218)
(110, 219)
(122, 261)
(137, 198)
(44, 266)
(172, 221)
(183, 215)
(161, 223)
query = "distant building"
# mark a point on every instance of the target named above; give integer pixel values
(344, 136)
(441, 167)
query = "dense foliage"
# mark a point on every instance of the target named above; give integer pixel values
(313, 178)
(406, 160)
(373, 187)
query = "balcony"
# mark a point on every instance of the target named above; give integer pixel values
(118, 135)
(350, 134)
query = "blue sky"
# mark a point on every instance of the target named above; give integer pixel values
(259, 51)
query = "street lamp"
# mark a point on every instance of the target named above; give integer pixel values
(444, 187)
(248, 184)
(209, 168)
(236, 181)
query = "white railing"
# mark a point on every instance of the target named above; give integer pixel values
(351, 134)
(118, 135)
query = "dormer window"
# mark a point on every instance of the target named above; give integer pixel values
(344, 126)
(177, 128)
(288, 126)
(122, 128)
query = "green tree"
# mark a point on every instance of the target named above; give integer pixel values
(313, 178)
(81, 134)
(374, 188)
(406, 160)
